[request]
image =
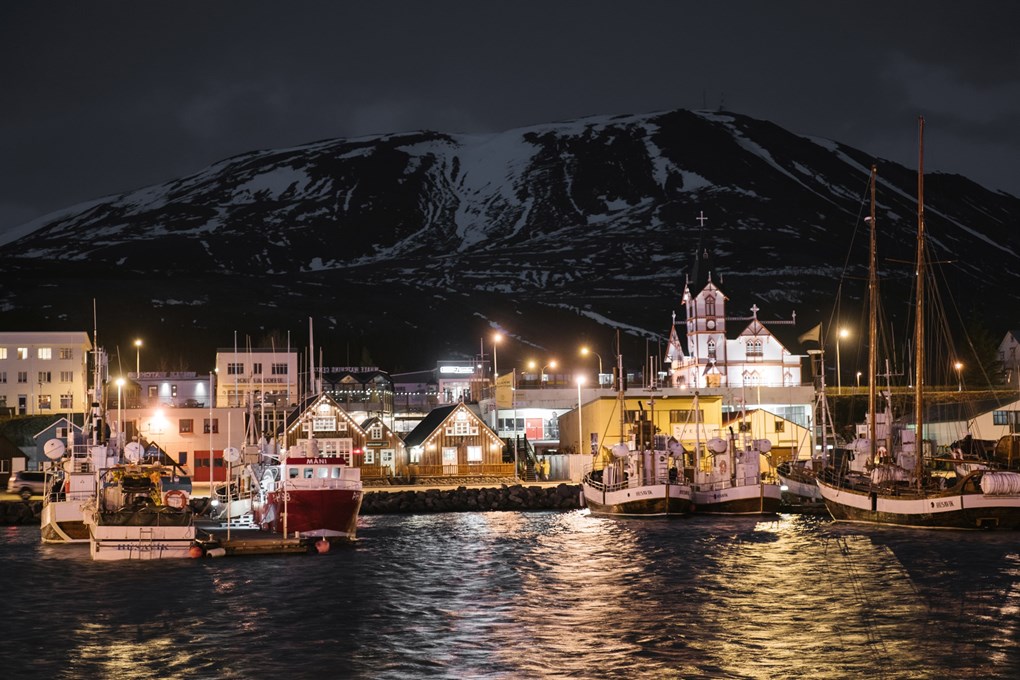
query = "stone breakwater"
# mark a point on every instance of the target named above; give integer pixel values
(463, 499)
(20, 512)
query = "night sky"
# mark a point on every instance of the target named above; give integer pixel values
(101, 98)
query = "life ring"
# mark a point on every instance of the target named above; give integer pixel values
(175, 498)
(722, 467)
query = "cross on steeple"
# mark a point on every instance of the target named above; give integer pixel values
(754, 310)
(701, 219)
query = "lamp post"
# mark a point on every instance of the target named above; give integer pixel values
(858, 378)
(551, 364)
(138, 356)
(585, 352)
(959, 376)
(580, 430)
(495, 341)
(839, 378)
(120, 419)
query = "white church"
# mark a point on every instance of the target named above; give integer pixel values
(755, 357)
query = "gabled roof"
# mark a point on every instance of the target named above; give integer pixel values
(307, 403)
(429, 424)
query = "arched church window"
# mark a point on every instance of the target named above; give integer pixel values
(711, 349)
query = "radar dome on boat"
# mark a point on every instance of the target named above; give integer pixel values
(763, 445)
(717, 445)
(620, 451)
(231, 454)
(54, 449)
(133, 452)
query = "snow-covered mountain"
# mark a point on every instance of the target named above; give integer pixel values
(408, 247)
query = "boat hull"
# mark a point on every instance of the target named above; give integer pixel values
(652, 500)
(141, 536)
(749, 499)
(936, 511)
(329, 513)
(63, 522)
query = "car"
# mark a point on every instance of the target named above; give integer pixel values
(27, 483)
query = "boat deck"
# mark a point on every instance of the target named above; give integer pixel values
(212, 535)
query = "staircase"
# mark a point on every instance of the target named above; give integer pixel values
(525, 457)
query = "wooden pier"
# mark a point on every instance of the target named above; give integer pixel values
(213, 537)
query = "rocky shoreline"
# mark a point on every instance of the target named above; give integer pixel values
(408, 501)
(464, 499)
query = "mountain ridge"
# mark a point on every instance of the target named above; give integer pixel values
(556, 233)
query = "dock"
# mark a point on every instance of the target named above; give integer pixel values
(213, 538)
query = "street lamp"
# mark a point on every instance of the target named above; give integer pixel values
(858, 378)
(585, 352)
(496, 341)
(843, 333)
(580, 431)
(120, 419)
(138, 356)
(959, 376)
(541, 374)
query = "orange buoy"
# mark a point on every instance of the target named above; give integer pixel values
(195, 551)
(322, 545)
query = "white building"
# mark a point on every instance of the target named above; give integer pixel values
(249, 376)
(755, 357)
(44, 372)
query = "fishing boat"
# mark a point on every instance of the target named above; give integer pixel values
(309, 495)
(645, 482)
(70, 476)
(140, 509)
(890, 484)
(728, 478)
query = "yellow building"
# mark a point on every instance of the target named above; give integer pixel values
(788, 439)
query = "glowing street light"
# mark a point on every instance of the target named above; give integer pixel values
(541, 374)
(585, 352)
(496, 338)
(959, 376)
(138, 356)
(858, 378)
(843, 333)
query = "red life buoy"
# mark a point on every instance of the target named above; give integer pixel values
(175, 498)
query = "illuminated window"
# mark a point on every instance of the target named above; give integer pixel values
(375, 432)
(474, 454)
(370, 457)
(3, 352)
(22, 353)
(45, 402)
(324, 424)
(66, 401)
(711, 349)
(45, 352)
(780, 426)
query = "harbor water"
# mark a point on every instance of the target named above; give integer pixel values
(530, 595)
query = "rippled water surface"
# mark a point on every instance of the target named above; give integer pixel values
(530, 595)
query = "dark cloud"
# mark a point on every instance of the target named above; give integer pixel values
(106, 97)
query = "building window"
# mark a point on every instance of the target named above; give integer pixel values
(3, 376)
(279, 369)
(22, 353)
(153, 391)
(711, 349)
(414, 455)
(780, 426)
(474, 454)
(754, 348)
(66, 353)
(324, 424)
(686, 416)
(66, 401)
(186, 426)
(235, 369)
(45, 402)
(1000, 418)
(3, 352)
(45, 352)
(45, 377)
(375, 432)
(66, 376)
(22, 376)
(256, 368)
(369, 457)
(215, 426)
(450, 458)
(461, 428)
(710, 306)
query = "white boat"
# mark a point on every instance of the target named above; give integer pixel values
(140, 510)
(728, 479)
(891, 484)
(70, 475)
(646, 482)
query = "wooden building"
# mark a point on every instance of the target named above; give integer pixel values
(385, 455)
(320, 427)
(453, 441)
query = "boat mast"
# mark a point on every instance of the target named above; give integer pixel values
(872, 325)
(919, 297)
